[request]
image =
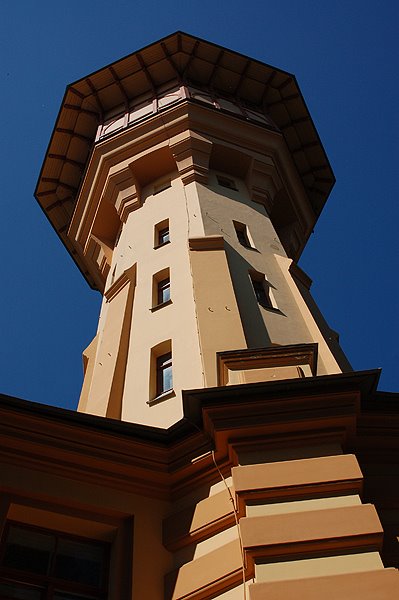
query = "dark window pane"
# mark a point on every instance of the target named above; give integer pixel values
(163, 236)
(81, 563)
(19, 592)
(242, 238)
(164, 373)
(163, 291)
(226, 182)
(260, 293)
(242, 234)
(28, 550)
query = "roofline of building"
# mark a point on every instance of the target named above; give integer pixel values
(79, 92)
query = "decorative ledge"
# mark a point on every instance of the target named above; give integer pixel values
(161, 245)
(158, 306)
(302, 356)
(382, 584)
(293, 478)
(161, 398)
(353, 527)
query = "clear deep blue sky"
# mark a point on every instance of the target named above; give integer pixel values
(345, 57)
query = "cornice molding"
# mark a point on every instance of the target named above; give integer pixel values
(162, 463)
(128, 276)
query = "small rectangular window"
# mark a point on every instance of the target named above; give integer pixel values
(226, 182)
(164, 373)
(161, 234)
(243, 235)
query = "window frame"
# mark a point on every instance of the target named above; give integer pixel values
(160, 285)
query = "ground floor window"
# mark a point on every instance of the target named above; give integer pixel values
(39, 564)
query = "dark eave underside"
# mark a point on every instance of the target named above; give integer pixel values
(182, 58)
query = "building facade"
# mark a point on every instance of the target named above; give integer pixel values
(223, 447)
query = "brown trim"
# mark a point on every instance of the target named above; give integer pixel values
(274, 356)
(210, 242)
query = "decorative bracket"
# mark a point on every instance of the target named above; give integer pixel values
(122, 190)
(191, 152)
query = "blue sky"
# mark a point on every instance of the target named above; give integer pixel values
(345, 58)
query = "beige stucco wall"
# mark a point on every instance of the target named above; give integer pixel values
(293, 322)
(219, 323)
(213, 305)
(316, 567)
(176, 322)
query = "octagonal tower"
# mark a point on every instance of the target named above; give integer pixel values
(185, 180)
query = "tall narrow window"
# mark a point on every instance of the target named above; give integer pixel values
(243, 235)
(161, 289)
(161, 377)
(161, 233)
(164, 373)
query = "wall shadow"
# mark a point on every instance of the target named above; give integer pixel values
(255, 331)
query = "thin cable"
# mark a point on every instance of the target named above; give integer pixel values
(235, 512)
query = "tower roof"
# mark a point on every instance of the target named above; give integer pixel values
(176, 59)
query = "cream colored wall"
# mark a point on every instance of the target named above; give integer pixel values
(213, 306)
(102, 371)
(175, 322)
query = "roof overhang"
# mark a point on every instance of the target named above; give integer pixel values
(176, 59)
